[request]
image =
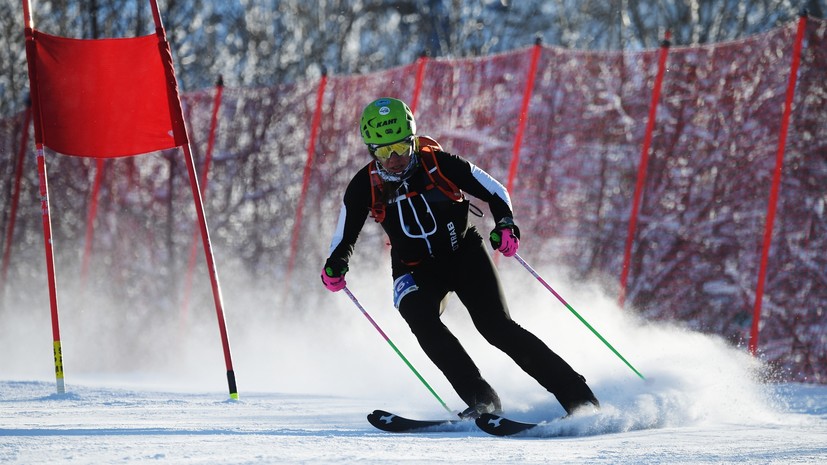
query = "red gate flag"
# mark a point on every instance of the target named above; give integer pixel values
(107, 97)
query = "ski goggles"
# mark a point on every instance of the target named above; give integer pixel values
(384, 152)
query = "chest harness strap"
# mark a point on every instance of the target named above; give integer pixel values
(426, 150)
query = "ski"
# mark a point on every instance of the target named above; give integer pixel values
(393, 423)
(501, 426)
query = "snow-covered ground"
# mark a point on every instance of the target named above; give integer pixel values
(98, 425)
(307, 380)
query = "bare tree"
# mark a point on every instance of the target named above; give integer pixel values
(266, 42)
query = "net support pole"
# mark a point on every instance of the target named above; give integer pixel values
(776, 183)
(91, 215)
(31, 53)
(175, 109)
(523, 120)
(308, 168)
(15, 200)
(421, 63)
(641, 174)
(529, 90)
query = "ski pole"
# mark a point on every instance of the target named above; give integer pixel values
(582, 320)
(398, 352)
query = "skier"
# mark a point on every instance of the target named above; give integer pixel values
(416, 191)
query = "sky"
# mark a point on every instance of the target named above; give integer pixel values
(307, 382)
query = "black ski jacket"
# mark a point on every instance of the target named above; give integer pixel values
(422, 223)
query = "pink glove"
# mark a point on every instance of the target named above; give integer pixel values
(505, 237)
(510, 243)
(332, 280)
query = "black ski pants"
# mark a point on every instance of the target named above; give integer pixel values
(470, 273)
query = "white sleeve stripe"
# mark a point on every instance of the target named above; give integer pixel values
(491, 185)
(340, 230)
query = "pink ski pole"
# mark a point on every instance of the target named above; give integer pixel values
(582, 320)
(398, 352)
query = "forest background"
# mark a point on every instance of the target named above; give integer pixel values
(253, 43)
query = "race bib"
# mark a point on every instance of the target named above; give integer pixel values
(403, 286)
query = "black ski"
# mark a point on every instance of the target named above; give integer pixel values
(393, 423)
(501, 426)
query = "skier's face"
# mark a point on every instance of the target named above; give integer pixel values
(395, 157)
(397, 163)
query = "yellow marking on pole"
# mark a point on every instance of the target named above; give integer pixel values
(59, 367)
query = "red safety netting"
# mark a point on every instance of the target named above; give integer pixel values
(700, 231)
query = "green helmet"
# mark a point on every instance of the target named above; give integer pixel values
(385, 121)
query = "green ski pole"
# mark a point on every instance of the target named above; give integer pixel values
(582, 320)
(395, 349)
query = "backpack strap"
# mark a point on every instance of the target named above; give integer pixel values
(427, 156)
(377, 206)
(425, 148)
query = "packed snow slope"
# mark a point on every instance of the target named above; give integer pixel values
(307, 380)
